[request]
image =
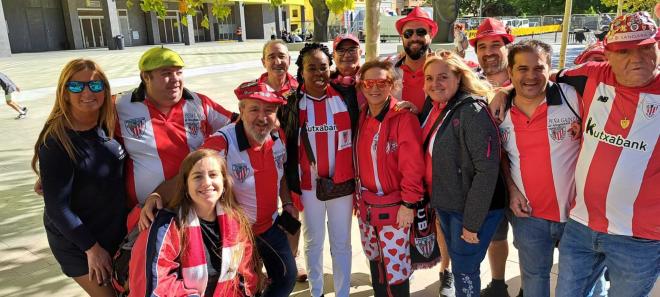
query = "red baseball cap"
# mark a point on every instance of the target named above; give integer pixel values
(417, 14)
(492, 27)
(343, 37)
(259, 91)
(630, 31)
(594, 49)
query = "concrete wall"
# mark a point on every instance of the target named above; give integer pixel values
(137, 22)
(254, 24)
(268, 16)
(35, 25)
(5, 47)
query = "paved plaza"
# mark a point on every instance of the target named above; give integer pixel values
(27, 267)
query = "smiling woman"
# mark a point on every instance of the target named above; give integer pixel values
(85, 210)
(389, 166)
(321, 159)
(467, 192)
(203, 245)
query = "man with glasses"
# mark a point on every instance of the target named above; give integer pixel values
(416, 30)
(346, 54)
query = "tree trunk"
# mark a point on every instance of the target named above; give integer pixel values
(372, 29)
(444, 14)
(321, 13)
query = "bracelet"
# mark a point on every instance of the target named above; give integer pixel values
(409, 205)
(287, 203)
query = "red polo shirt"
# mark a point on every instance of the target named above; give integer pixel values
(413, 86)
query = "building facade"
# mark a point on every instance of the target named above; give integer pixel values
(48, 25)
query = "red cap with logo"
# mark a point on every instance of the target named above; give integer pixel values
(343, 37)
(417, 14)
(630, 31)
(258, 91)
(492, 27)
(594, 49)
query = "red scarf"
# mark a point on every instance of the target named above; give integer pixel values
(236, 258)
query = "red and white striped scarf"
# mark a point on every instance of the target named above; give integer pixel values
(236, 258)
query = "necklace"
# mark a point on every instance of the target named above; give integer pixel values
(625, 122)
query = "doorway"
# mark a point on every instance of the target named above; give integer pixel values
(170, 28)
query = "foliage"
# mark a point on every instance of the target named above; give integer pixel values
(535, 7)
(338, 7)
(157, 6)
(321, 13)
(632, 5)
(221, 9)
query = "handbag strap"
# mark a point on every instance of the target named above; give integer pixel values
(306, 143)
(433, 127)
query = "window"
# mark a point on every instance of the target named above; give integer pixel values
(294, 13)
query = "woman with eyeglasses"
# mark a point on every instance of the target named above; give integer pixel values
(389, 169)
(317, 123)
(81, 170)
(462, 152)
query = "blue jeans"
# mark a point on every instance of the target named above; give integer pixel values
(274, 249)
(535, 239)
(633, 264)
(466, 257)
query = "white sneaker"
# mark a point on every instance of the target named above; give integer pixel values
(20, 116)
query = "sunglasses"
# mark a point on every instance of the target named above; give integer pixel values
(350, 51)
(95, 86)
(381, 83)
(421, 32)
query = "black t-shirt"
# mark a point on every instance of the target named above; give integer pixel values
(213, 250)
(85, 199)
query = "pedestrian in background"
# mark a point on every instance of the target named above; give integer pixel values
(10, 87)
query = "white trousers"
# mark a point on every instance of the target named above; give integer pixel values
(339, 212)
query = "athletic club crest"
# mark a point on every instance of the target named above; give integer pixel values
(136, 127)
(391, 146)
(240, 171)
(504, 133)
(425, 245)
(192, 123)
(651, 107)
(557, 133)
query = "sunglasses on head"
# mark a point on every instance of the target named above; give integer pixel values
(421, 32)
(381, 83)
(95, 86)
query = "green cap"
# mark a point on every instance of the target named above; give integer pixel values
(157, 57)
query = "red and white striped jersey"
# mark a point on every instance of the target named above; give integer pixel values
(618, 169)
(157, 143)
(426, 130)
(328, 127)
(542, 152)
(256, 172)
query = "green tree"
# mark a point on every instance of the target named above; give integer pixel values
(633, 5)
(338, 7)
(321, 13)
(221, 9)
